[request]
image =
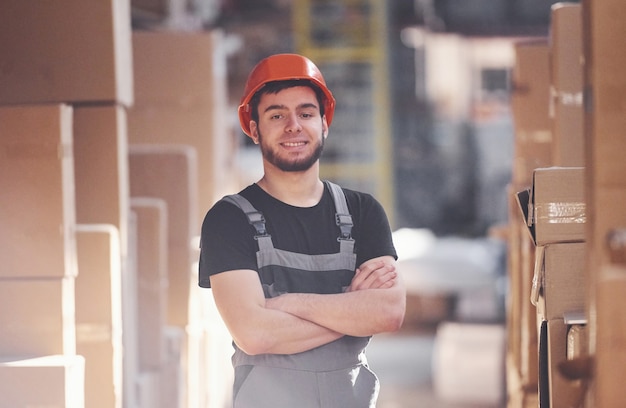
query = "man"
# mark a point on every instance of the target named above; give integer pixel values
(281, 256)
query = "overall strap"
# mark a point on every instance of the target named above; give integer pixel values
(255, 218)
(342, 218)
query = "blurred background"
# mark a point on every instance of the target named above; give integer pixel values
(422, 90)
(424, 123)
(119, 130)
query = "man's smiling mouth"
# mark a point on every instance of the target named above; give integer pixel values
(293, 144)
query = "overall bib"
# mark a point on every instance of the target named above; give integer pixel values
(334, 375)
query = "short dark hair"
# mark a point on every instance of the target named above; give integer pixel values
(274, 87)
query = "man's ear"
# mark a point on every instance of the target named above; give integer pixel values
(324, 127)
(254, 132)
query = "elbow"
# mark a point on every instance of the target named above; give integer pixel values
(395, 323)
(395, 316)
(253, 345)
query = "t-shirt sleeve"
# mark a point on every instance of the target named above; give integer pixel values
(227, 242)
(372, 232)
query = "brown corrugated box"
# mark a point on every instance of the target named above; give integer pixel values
(101, 167)
(65, 51)
(605, 84)
(169, 172)
(554, 207)
(99, 313)
(609, 350)
(521, 314)
(561, 392)
(152, 280)
(530, 99)
(566, 103)
(181, 97)
(37, 317)
(559, 280)
(37, 204)
(48, 381)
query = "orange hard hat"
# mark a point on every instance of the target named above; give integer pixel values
(283, 67)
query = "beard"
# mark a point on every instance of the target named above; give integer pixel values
(288, 164)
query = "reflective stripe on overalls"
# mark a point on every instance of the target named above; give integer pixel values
(332, 375)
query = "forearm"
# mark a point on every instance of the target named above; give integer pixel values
(359, 313)
(289, 334)
(256, 328)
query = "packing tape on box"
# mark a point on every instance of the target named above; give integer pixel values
(560, 213)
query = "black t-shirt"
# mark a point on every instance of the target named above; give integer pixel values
(227, 241)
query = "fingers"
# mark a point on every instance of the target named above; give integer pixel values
(377, 275)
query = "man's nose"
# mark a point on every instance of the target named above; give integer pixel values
(293, 124)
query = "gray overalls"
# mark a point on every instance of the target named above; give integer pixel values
(333, 375)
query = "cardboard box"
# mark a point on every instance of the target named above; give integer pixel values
(567, 85)
(37, 202)
(530, 99)
(49, 381)
(172, 380)
(521, 314)
(554, 207)
(66, 51)
(152, 280)
(99, 314)
(461, 351)
(559, 280)
(37, 317)
(606, 84)
(610, 336)
(181, 98)
(169, 173)
(557, 391)
(101, 167)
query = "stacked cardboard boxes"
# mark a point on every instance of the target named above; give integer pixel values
(605, 136)
(566, 96)
(38, 252)
(554, 210)
(85, 268)
(576, 216)
(182, 152)
(556, 217)
(548, 262)
(532, 149)
(57, 63)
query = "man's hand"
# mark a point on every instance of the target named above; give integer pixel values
(374, 274)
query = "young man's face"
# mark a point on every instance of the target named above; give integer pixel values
(290, 130)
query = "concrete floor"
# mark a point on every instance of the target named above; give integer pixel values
(403, 363)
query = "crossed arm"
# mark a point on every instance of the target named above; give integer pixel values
(296, 322)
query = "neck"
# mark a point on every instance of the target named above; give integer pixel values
(301, 189)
